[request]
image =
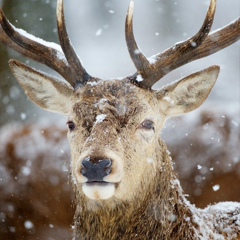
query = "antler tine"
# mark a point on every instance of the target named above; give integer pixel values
(218, 40)
(167, 61)
(152, 72)
(34, 48)
(139, 60)
(81, 75)
(198, 46)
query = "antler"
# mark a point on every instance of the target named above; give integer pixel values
(81, 75)
(198, 46)
(68, 65)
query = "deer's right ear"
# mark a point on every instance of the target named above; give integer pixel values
(187, 94)
(44, 90)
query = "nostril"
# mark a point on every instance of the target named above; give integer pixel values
(95, 169)
(83, 170)
(108, 168)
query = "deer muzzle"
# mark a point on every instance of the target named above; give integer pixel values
(99, 176)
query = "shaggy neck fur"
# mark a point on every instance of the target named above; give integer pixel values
(158, 213)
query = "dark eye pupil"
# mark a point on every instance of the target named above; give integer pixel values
(148, 124)
(71, 125)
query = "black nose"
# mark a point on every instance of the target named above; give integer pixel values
(95, 169)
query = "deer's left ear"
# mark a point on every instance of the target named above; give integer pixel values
(188, 93)
(44, 90)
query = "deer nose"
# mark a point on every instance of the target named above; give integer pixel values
(95, 169)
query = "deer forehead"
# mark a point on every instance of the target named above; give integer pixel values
(116, 99)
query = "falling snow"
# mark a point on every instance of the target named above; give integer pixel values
(98, 32)
(28, 224)
(23, 116)
(100, 118)
(216, 187)
(199, 167)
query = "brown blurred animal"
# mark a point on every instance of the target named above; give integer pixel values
(35, 196)
(122, 173)
(205, 150)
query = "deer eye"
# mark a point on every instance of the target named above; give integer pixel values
(71, 125)
(147, 124)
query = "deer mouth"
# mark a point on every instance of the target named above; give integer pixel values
(99, 190)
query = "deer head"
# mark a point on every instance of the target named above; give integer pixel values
(114, 126)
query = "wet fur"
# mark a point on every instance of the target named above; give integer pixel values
(156, 213)
(156, 207)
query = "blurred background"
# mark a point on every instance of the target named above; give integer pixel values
(96, 29)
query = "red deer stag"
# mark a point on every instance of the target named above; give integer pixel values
(122, 173)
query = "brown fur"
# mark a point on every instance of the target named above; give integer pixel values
(148, 201)
(156, 213)
(144, 191)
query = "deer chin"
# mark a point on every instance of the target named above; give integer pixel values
(99, 190)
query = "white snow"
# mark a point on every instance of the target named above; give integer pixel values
(57, 47)
(198, 178)
(28, 224)
(12, 229)
(150, 160)
(51, 226)
(168, 99)
(234, 123)
(39, 40)
(10, 109)
(137, 51)
(14, 92)
(5, 100)
(23, 116)
(100, 103)
(93, 83)
(98, 32)
(228, 215)
(193, 44)
(216, 187)
(54, 180)
(139, 78)
(225, 207)
(100, 118)
(199, 167)
(152, 59)
(26, 171)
